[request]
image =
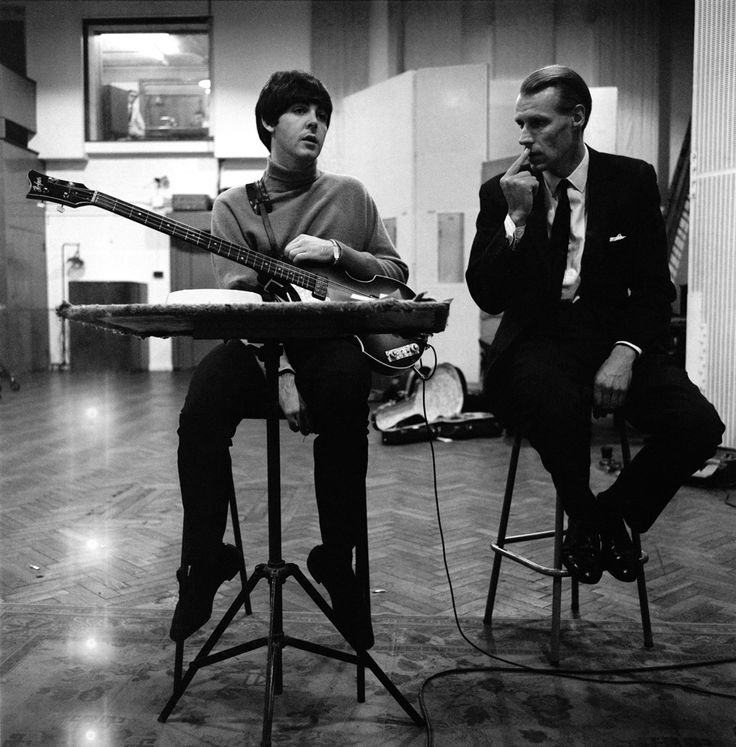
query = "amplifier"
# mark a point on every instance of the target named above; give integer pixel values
(191, 202)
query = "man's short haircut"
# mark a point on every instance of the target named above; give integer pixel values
(573, 89)
(285, 88)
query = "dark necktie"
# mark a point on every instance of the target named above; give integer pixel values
(560, 237)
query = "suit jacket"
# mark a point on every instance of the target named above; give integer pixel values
(625, 282)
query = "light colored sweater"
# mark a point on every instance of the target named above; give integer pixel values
(312, 202)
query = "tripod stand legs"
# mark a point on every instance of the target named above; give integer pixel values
(274, 660)
(276, 641)
(276, 571)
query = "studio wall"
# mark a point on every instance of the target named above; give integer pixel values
(351, 44)
(711, 328)
(420, 141)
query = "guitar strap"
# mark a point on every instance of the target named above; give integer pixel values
(261, 204)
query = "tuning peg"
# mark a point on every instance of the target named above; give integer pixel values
(60, 208)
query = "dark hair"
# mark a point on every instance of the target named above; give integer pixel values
(283, 89)
(573, 89)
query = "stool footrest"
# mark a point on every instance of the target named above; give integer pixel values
(557, 534)
(529, 536)
(546, 570)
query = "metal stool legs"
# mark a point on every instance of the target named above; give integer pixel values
(556, 571)
(641, 582)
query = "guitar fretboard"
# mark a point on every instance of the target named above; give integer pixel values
(275, 268)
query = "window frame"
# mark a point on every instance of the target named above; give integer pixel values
(154, 24)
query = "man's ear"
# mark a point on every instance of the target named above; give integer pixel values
(267, 126)
(578, 116)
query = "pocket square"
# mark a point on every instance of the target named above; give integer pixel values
(618, 237)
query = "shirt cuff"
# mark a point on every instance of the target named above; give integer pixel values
(284, 365)
(629, 345)
(514, 233)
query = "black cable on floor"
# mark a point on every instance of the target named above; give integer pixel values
(585, 675)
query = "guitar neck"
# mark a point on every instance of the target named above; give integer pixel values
(204, 240)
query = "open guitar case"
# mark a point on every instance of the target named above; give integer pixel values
(443, 396)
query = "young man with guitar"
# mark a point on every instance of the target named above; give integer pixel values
(316, 221)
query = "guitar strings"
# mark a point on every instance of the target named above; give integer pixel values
(311, 281)
(304, 278)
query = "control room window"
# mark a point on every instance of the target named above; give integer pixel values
(148, 80)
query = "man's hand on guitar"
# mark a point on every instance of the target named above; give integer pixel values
(292, 405)
(306, 248)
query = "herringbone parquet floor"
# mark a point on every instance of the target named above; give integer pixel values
(90, 513)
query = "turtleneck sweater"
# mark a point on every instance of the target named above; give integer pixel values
(312, 202)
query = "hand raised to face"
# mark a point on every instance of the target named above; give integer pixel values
(519, 188)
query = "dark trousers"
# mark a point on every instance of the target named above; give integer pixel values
(228, 385)
(547, 383)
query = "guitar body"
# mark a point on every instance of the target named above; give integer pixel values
(387, 353)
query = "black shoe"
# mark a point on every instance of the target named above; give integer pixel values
(352, 614)
(618, 554)
(581, 551)
(197, 588)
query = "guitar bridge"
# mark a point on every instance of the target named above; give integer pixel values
(405, 351)
(320, 289)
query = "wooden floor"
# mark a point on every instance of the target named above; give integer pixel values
(90, 514)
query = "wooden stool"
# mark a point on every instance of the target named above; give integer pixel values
(557, 571)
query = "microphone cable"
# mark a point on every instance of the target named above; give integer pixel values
(596, 676)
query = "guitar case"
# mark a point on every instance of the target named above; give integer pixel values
(442, 395)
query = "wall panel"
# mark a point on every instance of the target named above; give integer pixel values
(24, 338)
(340, 42)
(711, 323)
(523, 37)
(432, 34)
(251, 40)
(628, 38)
(451, 142)
(372, 137)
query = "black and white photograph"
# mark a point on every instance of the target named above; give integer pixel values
(367, 373)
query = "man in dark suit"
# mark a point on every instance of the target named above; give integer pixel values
(570, 246)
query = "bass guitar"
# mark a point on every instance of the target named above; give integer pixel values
(388, 353)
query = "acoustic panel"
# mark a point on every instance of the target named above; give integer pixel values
(711, 323)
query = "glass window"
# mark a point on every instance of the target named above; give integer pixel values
(148, 80)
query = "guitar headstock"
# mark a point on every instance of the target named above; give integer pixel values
(49, 189)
